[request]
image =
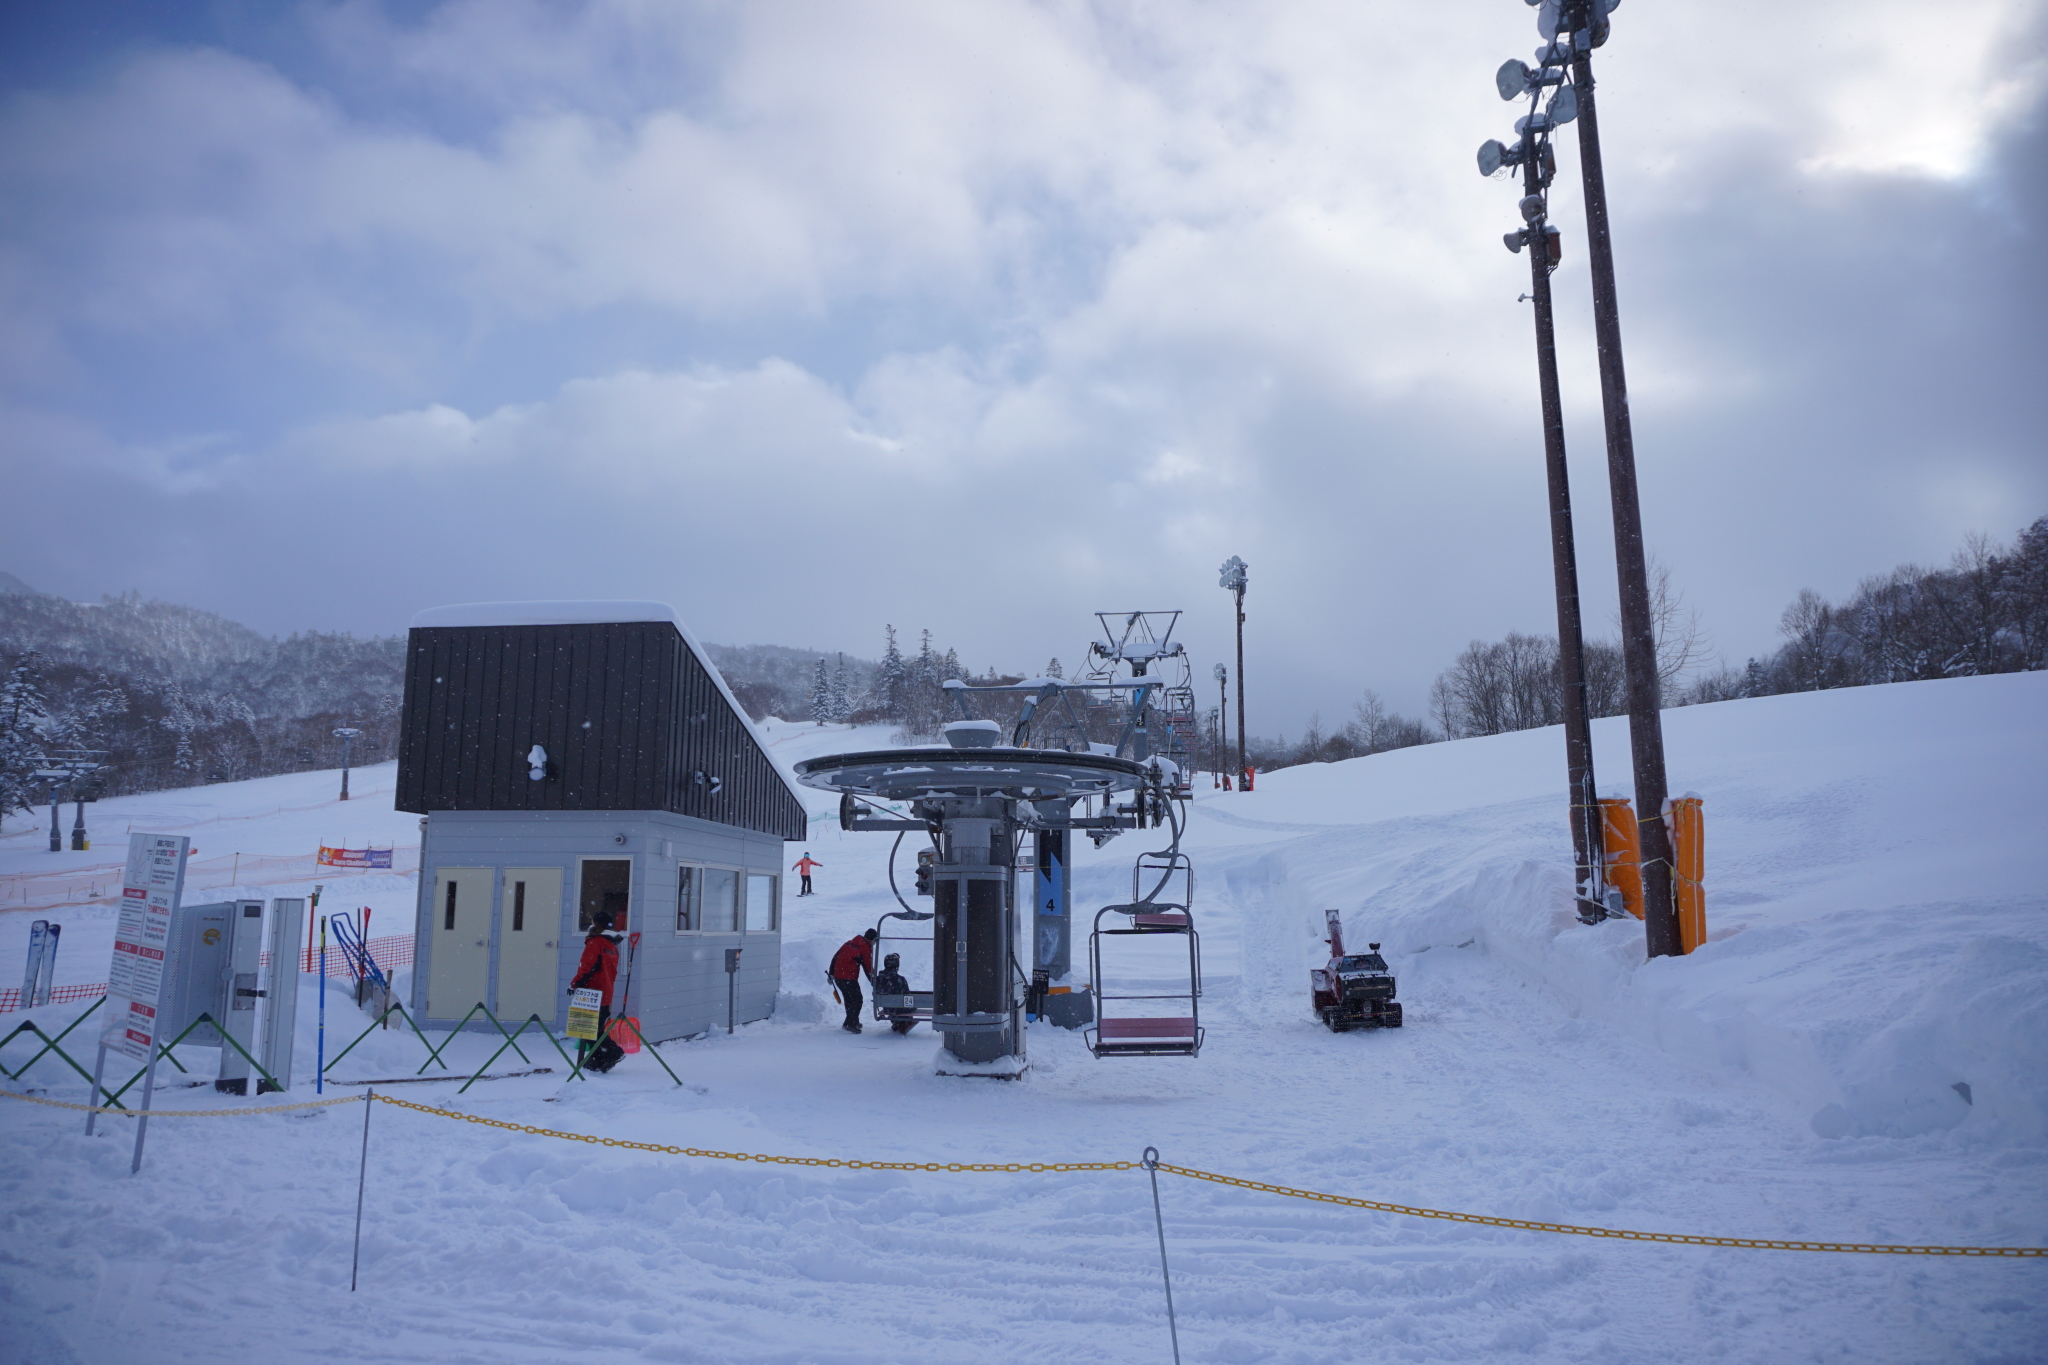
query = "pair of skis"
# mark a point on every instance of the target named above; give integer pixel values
(41, 972)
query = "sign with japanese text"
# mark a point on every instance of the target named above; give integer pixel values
(150, 888)
(584, 1008)
(354, 857)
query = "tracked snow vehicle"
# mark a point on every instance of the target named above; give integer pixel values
(1355, 990)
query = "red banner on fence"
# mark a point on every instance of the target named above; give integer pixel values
(354, 857)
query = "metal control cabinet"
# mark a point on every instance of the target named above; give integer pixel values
(217, 970)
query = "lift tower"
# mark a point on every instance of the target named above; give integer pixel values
(975, 798)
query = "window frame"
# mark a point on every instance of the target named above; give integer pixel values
(774, 880)
(686, 874)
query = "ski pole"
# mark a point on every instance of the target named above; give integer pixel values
(362, 1172)
(320, 1053)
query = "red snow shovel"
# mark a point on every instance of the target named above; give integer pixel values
(626, 1028)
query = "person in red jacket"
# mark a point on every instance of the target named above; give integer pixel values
(855, 956)
(598, 970)
(803, 868)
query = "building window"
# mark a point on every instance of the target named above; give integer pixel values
(764, 914)
(607, 885)
(707, 899)
(721, 899)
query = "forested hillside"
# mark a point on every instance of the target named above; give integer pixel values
(170, 696)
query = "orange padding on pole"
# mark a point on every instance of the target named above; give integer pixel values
(1689, 840)
(1623, 845)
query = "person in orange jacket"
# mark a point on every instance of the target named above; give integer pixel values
(803, 868)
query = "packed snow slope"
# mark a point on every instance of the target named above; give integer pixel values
(1859, 1053)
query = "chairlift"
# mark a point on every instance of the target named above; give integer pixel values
(1149, 1029)
(916, 1006)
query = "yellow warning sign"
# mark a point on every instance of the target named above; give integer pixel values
(583, 1008)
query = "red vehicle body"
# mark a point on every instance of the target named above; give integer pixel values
(1354, 990)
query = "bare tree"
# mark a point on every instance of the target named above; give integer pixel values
(1682, 643)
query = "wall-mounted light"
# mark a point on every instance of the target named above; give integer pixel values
(536, 763)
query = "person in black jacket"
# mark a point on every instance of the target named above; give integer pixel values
(890, 981)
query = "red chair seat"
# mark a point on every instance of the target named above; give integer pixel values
(1110, 1030)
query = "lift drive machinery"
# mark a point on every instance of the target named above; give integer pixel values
(1355, 990)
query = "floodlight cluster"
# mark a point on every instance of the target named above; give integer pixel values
(1585, 25)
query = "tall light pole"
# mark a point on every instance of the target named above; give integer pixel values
(1222, 675)
(1532, 153)
(1571, 30)
(1233, 578)
(347, 735)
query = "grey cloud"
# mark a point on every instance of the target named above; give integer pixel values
(316, 335)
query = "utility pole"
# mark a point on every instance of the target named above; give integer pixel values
(1222, 718)
(1587, 24)
(1233, 578)
(1539, 166)
(347, 735)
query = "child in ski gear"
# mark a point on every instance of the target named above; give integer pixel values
(890, 981)
(855, 956)
(598, 970)
(803, 867)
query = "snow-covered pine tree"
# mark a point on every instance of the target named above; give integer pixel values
(821, 694)
(842, 705)
(891, 681)
(1052, 670)
(24, 714)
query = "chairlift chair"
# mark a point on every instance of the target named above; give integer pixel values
(891, 1008)
(1157, 1031)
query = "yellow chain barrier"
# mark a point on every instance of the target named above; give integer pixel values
(1008, 1167)
(1040, 1167)
(1527, 1225)
(183, 1113)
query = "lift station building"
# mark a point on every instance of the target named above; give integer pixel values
(571, 757)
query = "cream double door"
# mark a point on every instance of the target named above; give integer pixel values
(529, 944)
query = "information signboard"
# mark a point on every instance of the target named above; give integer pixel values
(584, 1007)
(150, 888)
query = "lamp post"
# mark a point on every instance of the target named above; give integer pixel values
(347, 735)
(1586, 21)
(1571, 30)
(1222, 676)
(1233, 578)
(1533, 154)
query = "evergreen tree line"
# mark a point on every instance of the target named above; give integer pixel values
(1985, 612)
(168, 696)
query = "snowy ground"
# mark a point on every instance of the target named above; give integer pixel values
(1879, 924)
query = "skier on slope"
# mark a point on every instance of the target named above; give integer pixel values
(803, 867)
(597, 971)
(855, 956)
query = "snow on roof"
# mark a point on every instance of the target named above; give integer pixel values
(602, 614)
(546, 614)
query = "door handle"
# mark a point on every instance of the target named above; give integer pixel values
(479, 943)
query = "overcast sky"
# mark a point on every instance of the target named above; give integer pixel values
(983, 316)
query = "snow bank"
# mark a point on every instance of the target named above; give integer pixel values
(1877, 955)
